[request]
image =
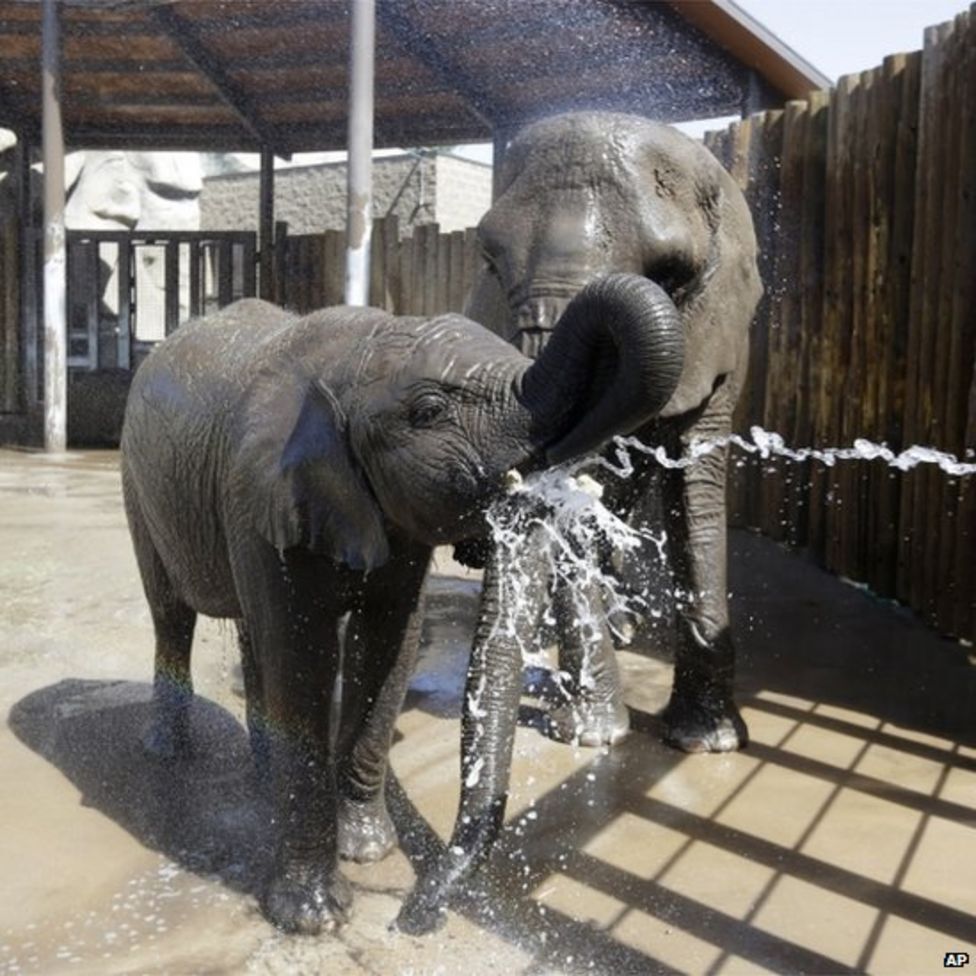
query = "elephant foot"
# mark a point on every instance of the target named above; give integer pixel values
(304, 903)
(366, 832)
(168, 739)
(694, 727)
(591, 724)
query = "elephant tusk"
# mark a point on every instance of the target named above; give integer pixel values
(512, 481)
(589, 486)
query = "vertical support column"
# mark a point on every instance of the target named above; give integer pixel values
(55, 251)
(501, 137)
(266, 225)
(752, 97)
(26, 290)
(359, 216)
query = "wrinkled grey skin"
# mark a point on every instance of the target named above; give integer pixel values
(581, 195)
(294, 474)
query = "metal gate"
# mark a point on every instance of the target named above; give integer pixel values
(128, 290)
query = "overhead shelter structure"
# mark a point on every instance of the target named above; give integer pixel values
(249, 75)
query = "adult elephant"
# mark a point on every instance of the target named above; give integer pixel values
(584, 194)
(293, 474)
(580, 195)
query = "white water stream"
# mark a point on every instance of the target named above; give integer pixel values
(557, 515)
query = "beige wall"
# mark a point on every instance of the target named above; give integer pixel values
(453, 192)
(463, 192)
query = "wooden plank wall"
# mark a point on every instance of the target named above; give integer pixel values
(866, 215)
(426, 274)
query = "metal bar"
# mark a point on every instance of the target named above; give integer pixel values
(90, 264)
(55, 278)
(124, 325)
(28, 278)
(280, 261)
(266, 224)
(184, 34)
(225, 273)
(149, 237)
(196, 298)
(359, 209)
(172, 279)
(249, 283)
(18, 268)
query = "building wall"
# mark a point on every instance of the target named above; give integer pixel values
(418, 189)
(463, 192)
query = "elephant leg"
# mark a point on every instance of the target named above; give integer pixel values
(168, 734)
(254, 705)
(290, 619)
(701, 715)
(381, 645)
(595, 714)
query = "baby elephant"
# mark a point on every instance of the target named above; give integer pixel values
(293, 474)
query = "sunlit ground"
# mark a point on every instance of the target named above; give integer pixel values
(843, 839)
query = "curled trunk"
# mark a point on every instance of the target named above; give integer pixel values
(614, 360)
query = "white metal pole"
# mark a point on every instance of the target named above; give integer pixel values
(55, 264)
(359, 214)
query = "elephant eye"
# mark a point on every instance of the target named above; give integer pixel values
(674, 274)
(428, 409)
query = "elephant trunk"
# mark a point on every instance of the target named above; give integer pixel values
(613, 362)
(489, 719)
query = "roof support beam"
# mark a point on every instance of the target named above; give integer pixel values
(184, 35)
(359, 210)
(55, 249)
(398, 22)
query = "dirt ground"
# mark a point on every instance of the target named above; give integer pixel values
(842, 840)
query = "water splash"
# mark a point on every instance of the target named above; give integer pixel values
(552, 528)
(769, 444)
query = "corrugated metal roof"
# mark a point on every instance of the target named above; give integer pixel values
(239, 74)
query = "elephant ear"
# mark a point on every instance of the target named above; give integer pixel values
(310, 491)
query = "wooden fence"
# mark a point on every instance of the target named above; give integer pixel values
(865, 207)
(426, 274)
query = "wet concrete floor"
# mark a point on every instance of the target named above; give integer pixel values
(842, 840)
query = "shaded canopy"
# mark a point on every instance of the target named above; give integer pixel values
(247, 74)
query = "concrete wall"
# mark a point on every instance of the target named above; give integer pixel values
(463, 192)
(434, 187)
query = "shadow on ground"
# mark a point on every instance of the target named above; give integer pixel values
(203, 812)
